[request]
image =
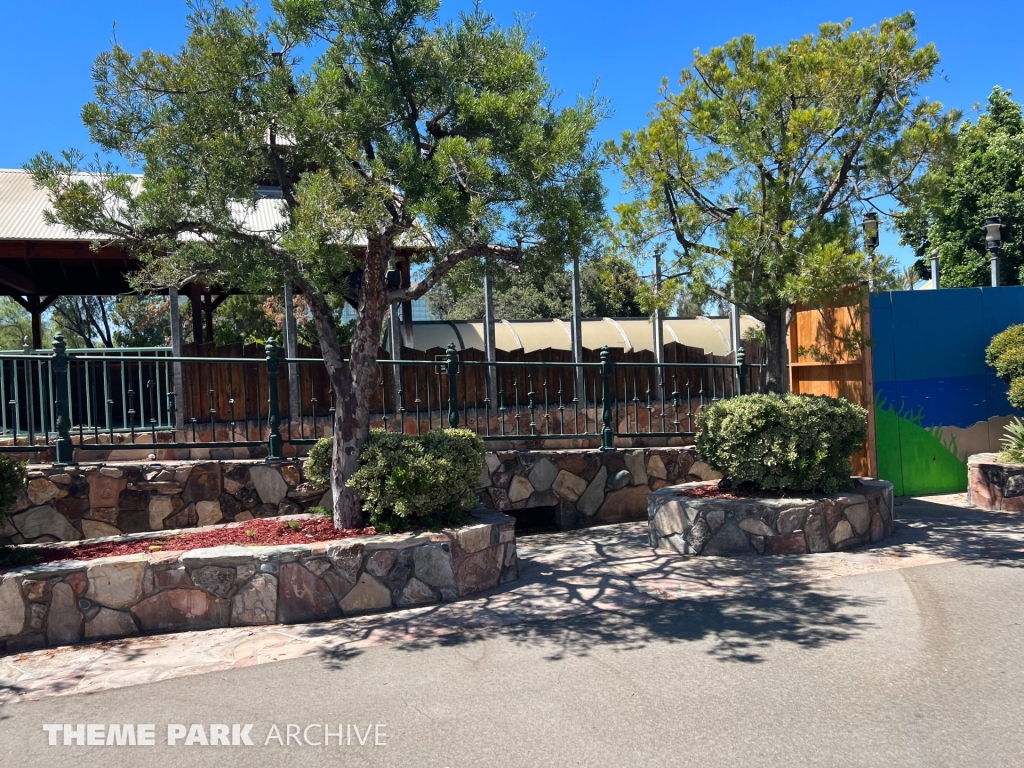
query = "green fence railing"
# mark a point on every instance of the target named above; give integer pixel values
(92, 400)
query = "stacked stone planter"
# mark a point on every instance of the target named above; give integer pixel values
(586, 487)
(95, 500)
(724, 526)
(70, 601)
(995, 485)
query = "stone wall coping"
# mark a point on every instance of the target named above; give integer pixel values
(590, 451)
(978, 459)
(235, 554)
(673, 493)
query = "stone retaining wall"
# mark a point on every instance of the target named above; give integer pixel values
(70, 601)
(95, 500)
(586, 487)
(723, 526)
(995, 485)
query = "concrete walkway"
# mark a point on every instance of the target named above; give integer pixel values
(567, 575)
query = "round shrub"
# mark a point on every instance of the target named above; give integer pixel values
(318, 464)
(1016, 394)
(12, 480)
(1012, 337)
(1010, 365)
(418, 481)
(783, 442)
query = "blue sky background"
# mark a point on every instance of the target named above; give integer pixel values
(623, 47)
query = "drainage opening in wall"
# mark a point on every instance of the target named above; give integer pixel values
(535, 520)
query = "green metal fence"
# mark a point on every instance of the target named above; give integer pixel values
(89, 400)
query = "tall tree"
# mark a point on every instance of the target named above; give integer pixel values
(398, 130)
(757, 168)
(983, 175)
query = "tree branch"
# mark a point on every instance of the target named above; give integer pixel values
(507, 253)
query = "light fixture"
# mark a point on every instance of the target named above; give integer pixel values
(993, 233)
(870, 227)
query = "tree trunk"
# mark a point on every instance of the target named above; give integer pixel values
(353, 383)
(776, 327)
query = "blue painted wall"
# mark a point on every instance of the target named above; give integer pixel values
(930, 376)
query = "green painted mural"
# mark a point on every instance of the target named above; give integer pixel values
(914, 459)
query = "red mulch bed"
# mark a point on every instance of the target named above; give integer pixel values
(253, 532)
(714, 492)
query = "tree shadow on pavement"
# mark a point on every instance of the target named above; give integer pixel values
(958, 533)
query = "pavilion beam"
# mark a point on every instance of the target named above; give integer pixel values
(17, 281)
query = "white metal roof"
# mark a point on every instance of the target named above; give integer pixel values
(22, 204)
(629, 334)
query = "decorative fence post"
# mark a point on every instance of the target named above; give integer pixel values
(274, 443)
(607, 442)
(26, 349)
(65, 450)
(452, 367)
(741, 371)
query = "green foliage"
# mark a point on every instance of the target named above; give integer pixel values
(12, 480)
(1016, 394)
(1012, 337)
(1005, 353)
(319, 512)
(981, 175)
(1013, 442)
(417, 481)
(1010, 364)
(318, 463)
(759, 167)
(783, 442)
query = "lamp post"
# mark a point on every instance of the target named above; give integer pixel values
(993, 242)
(870, 227)
(935, 268)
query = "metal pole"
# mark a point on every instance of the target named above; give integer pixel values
(935, 270)
(178, 399)
(607, 435)
(452, 369)
(490, 353)
(395, 333)
(734, 328)
(659, 331)
(995, 267)
(291, 349)
(274, 443)
(577, 331)
(65, 450)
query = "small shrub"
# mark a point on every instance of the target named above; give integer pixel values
(418, 481)
(1012, 337)
(1013, 442)
(319, 512)
(1010, 365)
(12, 480)
(783, 442)
(318, 465)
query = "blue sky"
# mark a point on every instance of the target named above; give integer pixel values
(623, 47)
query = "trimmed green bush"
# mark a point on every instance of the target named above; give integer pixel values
(12, 480)
(1005, 353)
(1012, 337)
(782, 442)
(318, 465)
(418, 481)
